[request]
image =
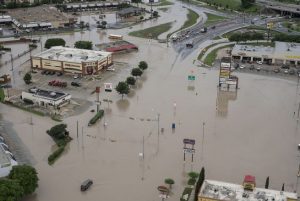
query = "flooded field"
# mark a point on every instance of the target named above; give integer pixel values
(254, 131)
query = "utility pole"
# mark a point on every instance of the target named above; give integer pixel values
(158, 123)
(143, 148)
(82, 136)
(77, 129)
(12, 62)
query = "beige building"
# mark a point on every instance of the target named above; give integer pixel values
(71, 60)
(282, 53)
(221, 191)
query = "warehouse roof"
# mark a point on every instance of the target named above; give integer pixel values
(234, 192)
(60, 53)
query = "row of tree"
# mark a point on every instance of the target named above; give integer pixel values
(88, 45)
(286, 38)
(246, 36)
(123, 87)
(21, 181)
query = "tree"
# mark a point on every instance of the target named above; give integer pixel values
(122, 88)
(88, 45)
(267, 183)
(143, 65)
(199, 183)
(136, 72)
(170, 182)
(155, 14)
(58, 131)
(55, 42)
(27, 78)
(26, 176)
(10, 190)
(137, 2)
(193, 175)
(247, 3)
(130, 81)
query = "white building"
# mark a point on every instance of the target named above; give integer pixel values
(282, 53)
(72, 60)
(46, 98)
(6, 162)
(221, 191)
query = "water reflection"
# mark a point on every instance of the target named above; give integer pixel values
(223, 98)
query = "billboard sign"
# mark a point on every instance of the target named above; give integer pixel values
(189, 150)
(189, 141)
(108, 87)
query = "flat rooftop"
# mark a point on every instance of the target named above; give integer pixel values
(282, 50)
(44, 13)
(60, 53)
(234, 192)
(47, 94)
(4, 160)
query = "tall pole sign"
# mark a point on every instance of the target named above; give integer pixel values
(188, 147)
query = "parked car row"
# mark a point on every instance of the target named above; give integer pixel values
(290, 71)
(57, 83)
(47, 72)
(6, 148)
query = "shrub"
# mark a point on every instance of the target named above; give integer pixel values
(55, 155)
(191, 181)
(55, 42)
(98, 116)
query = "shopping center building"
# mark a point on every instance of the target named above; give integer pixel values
(72, 60)
(282, 53)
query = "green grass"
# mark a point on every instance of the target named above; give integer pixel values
(217, 37)
(294, 26)
(152, 32)
(163, 9)
(188, 191)
(163, 3)
(2, 96)
(192, 18)
(204, 50)
(27, 109)
(230, 4)
(213, 19)
(211, 57)
(272, 44)
(249, 28)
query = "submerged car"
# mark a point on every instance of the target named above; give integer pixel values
(86, 185)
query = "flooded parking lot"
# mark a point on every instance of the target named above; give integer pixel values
(258, 134)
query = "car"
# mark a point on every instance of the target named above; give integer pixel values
(47, 73)
(76, 76)
(110, 69)
(52, 72)
(59, 74)
(258, 68)
(5, 86)
(213, 27)
(286, 71)
(86, 185)
(43, 72)
(276, 70)
(34, 71)
(259, 62)
(251, 67)
(242, 66)
(76, 84)
(284, 66)
(291, 71)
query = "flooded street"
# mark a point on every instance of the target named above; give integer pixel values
(254, 131)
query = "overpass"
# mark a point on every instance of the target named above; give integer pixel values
(283, 8)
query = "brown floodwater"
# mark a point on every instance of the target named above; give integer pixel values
(253, 131)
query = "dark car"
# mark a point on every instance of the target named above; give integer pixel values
(291, 71)
(86, 185)
(5, 86)
(43, 72)
(52, 72)
(47, 73)
(59, 74)
(276, 70)
(285, 66)
(75, 84)
(251, 67)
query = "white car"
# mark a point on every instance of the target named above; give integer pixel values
(110, 69)
(259, 62)
(286, 71)
(242, 66)
(75, 76)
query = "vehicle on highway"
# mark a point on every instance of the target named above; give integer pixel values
(86, 185)
(203, 30)
(76, 84)
(110, 69)
(291, 71)
(189, 45)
